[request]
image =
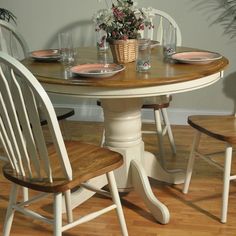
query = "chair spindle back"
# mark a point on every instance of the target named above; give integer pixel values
(20, 130)
(161, 20)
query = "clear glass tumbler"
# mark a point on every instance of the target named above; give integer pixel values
(169, 41)
(102, 44)
(143, 61)
(67, 50)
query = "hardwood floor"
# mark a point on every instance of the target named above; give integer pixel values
(196, 213)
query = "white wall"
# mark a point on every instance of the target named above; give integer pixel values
(40, 21)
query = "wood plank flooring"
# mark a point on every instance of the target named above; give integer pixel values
(194, 214)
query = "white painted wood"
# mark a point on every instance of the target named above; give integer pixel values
(191, 160)
(68, 206)
(57, 224)
(81, 194)
(227, 177)
(88, 217)
(156, 171)
(20, 97)
(14, 44)
(124, 114)
(162, 20)
(117, 93)
(116, 200)
(122, 120)
(92, 112)
(226, 182)
(12, 117)
(10, 210)
(142, 187)
(169, 130)
(160, 133)
(12, 41)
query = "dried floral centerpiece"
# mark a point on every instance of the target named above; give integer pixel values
(122, 23)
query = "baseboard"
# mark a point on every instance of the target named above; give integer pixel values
(176, 116)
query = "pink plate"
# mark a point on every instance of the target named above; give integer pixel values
(46, 55)
(196, 57)
(97, 70)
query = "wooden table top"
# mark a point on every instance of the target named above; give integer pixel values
(161, 72)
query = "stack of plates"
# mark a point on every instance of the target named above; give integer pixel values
(46, 55)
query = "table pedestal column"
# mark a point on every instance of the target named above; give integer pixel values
(122, 120)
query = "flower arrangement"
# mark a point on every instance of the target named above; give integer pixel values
(123, 20)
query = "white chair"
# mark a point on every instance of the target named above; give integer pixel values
(159, 104)
(54, 169)
(13, 43)
(221, 128)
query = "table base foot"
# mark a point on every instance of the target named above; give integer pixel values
(156, 171)
(142, 186)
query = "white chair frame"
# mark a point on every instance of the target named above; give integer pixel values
(24, 143)
(227, 176)
(160, 115)
(20, 39)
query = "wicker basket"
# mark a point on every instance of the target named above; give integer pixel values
(124, 51)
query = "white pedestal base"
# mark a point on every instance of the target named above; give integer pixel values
(122, 121)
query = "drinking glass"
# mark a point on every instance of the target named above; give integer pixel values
(102, 44)
(143, 61)
(169, 41)
(67, 50)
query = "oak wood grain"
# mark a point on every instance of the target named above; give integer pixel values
(87, 161)
(220, 127)
(161, 72)
(195, 214)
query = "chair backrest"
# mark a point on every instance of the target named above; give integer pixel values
(12, 42)
(21, 133)
(161, 20)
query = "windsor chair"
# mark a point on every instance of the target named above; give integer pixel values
(159, 104)
(54, 168)
(13, 43)
(221, 128)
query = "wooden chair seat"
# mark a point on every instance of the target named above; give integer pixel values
(219, 127)
(222, 128)
(157, 103)
(87, 161)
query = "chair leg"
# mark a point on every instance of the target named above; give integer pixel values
(169, 130)
(189, 170)
(103, 138)
(25, 194)
(68, 206)
(57, 210)
(67, 135)
(226, 183)
(10, 210)
(116, 200)
(160, 136)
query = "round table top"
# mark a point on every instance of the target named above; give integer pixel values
(164, 77)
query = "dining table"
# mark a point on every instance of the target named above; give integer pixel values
(121, 96)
